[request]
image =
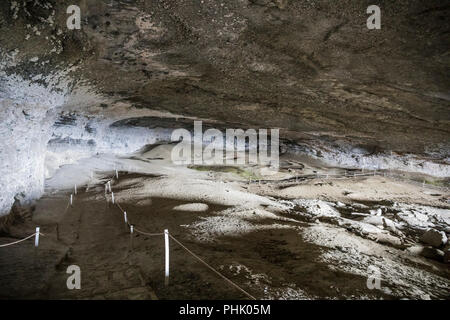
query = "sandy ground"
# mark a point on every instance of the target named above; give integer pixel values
(278, 239)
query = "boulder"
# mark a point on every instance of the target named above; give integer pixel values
(432, 253)
(434, 238)
(447, 255)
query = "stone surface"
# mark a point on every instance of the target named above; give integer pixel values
(447, 256)
(343, 93)
(432, 253)
(434, 237)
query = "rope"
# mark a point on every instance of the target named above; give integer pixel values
(118, 205)
(146, 233)
(212, 269)
(193, 254)
(18, 241)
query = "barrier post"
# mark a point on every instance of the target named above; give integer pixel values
(166, 240)
(112, 197)
(36, 238)
(125, 219)
(71, 199)
(131, 236)
(117, 174)
(75, 189)
(109, 185)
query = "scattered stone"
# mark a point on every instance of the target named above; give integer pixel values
(377, 212)
(380, 222)
(447, 256)
(360, 206)
(359, 214)
(434, 237)
(415, 250)
(432, 253)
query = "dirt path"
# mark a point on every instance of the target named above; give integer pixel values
(99, 244)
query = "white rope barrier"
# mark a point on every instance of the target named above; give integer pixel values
(350, 175)
(36, 242)
(148, 234)
(18, 241)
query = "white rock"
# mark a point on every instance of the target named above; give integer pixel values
(380, 222)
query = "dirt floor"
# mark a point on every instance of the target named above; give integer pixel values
(268, 261)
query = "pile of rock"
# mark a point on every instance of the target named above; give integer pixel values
(436, 241)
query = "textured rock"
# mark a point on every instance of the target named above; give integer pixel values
(434, 237)
(432, 253)
(447, 256)
(307, 67)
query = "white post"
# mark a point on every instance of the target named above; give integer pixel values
(71, 199)
(109, 186)
(166, 240)
(75, 189)
(131, 236)
(112, 197)
(125, 217)
(36, 238)
(117, 174)
(106, 188)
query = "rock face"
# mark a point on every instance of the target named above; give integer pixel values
(434, 238)
(311, 68)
